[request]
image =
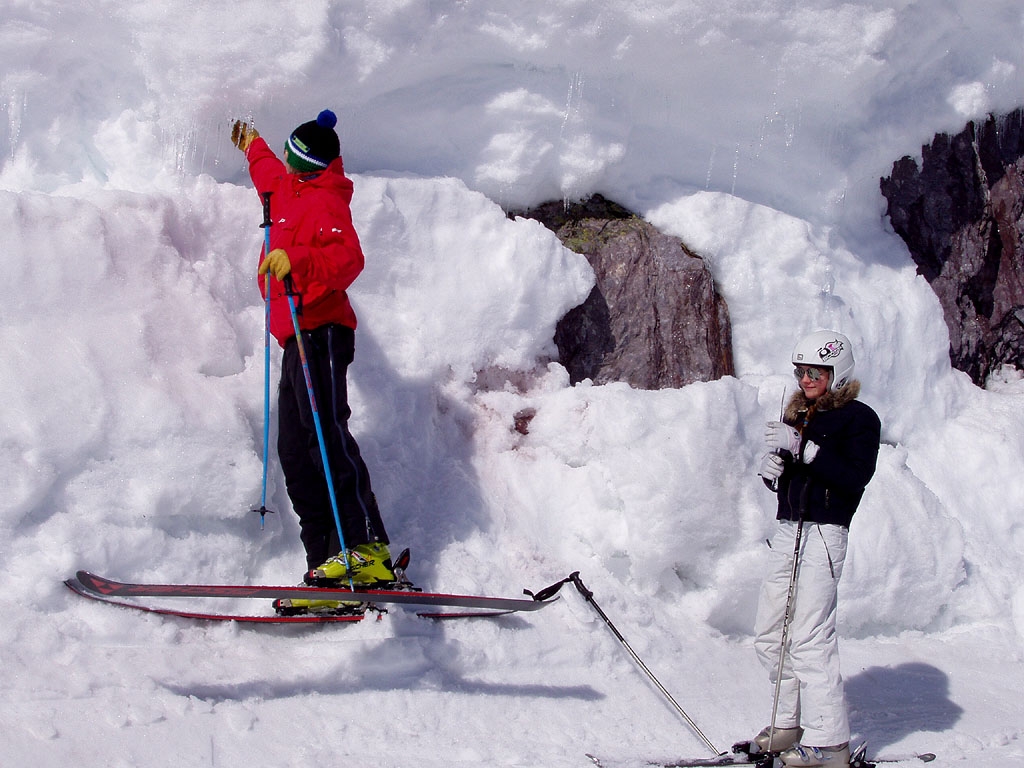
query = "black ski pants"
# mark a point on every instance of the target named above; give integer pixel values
(329, 351)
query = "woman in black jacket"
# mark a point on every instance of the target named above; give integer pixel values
(821, 457)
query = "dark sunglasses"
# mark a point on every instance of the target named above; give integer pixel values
(810, 371)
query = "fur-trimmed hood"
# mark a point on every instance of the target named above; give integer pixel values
(830, 401)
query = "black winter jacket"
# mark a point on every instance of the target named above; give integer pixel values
(848, 434)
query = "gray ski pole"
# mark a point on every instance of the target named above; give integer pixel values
(785, 631)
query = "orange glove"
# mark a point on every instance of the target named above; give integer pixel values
(242, 135)
(276, 263)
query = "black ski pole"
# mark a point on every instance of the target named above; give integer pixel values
(574, 577)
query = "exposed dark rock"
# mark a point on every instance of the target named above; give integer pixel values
(654, 318)
(521, 420)
(961, 214)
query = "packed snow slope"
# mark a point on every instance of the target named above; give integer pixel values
(131, 376)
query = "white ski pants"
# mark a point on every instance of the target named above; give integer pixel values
(811, 693)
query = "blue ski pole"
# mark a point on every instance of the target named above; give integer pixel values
(289, 289)
(266, 362)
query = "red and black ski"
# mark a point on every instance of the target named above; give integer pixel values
(76, 586)
(474, 606)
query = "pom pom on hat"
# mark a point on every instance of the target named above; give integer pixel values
(313, 145)
(327, 119)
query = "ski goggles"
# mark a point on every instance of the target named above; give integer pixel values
(811, 372)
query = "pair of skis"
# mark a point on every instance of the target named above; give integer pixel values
(742, 756)
(452, 606)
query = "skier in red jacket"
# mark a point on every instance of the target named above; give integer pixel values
(314, 244)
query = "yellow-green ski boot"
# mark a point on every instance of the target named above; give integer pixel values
(369, 565)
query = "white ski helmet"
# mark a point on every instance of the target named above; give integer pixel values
(827, 348)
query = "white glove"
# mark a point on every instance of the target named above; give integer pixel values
(771, 466)
(811, 449)
(782, 437)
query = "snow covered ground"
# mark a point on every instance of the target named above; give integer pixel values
(131, 370)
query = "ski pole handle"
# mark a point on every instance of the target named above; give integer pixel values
(548, 592)
(291, 293)
(266, 217)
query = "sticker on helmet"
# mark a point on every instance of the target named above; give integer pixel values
(830, 349)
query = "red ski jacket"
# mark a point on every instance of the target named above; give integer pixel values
(312, 223)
